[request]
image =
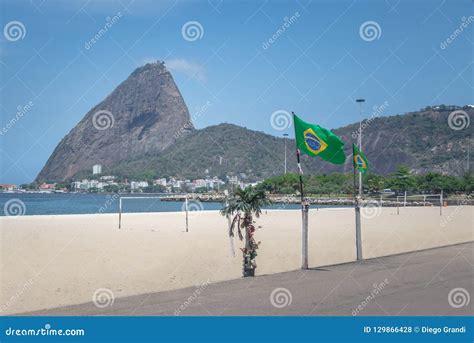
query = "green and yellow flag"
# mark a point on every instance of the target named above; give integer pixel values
(314, 140)
(359, 160)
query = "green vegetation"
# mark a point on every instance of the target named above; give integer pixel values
(63, 185)
(243, 204)
(342, 184)
(421, 140)
(29, 186)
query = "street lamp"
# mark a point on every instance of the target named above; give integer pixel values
(285, 135)
(357, 202)
(360, 101)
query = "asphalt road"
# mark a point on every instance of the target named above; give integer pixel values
(412, 284)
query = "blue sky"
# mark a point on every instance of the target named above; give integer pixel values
(317, 65)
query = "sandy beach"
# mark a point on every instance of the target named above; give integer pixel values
(51, 261)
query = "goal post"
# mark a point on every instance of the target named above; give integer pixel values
(149, 197)
(424, 198)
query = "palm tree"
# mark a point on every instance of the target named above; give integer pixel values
(243, 204)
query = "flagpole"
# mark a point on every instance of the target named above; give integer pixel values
(304, 217)
(357, 217)
(304, 214)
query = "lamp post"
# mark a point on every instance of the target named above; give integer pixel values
(360, 101)
(285, 135)
(358, 199)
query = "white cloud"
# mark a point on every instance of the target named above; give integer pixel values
(191, 69)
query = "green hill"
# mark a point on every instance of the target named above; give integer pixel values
(421, 140)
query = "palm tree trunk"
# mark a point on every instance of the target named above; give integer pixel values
(248, 269)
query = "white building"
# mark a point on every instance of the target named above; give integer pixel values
(233, 179)
(95, 184)
(138, 184)
(96, 169)
(160, 182)
(199, 183)
(88, 184)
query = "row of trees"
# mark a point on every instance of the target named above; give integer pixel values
(401, 180)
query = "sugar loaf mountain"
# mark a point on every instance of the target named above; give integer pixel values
(143, 129)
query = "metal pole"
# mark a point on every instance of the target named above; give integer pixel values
(357, 222)
(304, 218)
(120, 213)
(441, 203)
(304, 262)
(405, 199)
(360, 101)
(398, 207)
(285, 135)
(186, 207)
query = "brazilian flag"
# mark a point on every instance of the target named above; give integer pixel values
(314, 140)
(359, 160)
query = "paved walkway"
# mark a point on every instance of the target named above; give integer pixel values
(409, 284)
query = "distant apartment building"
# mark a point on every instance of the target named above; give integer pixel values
(176, 184)
(215, 182)
(209, 184)
(160, 182)
(96, 169)
(200, 183)
(134, 185)
(95, 184)
(233, 179)
(86, 184)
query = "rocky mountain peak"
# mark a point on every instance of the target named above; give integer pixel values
(141, 116)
